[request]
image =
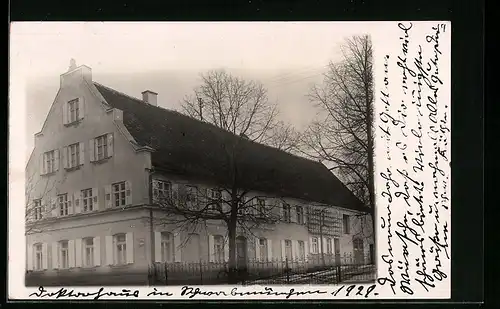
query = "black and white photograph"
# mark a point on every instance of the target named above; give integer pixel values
(222, 173)
(233, 155)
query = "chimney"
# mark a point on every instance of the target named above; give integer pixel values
(150, 97)
(76, 74)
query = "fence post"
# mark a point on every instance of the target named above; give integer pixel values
(166, 273)
(339, 275)
(287, 269)
(201, 272)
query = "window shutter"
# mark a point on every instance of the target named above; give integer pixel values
(128, 193)
(257, 249)
(56, 160)
(283, 252)
(71, 253)
(211, 248)
(70, 204)
(81, 107)
(78, 252)
(97, 251)
(29, 257)
(109, 250)
(42, 165)
(311, 245)
(95, 198)
(158, 247)
(306, 253)
(110, 145)
(82, 153)
(269, 249)
(226, 249)
(177, 248)
(64, 157)
(92, 150)
(107, 196)
(155, 190)
(65, 113)
(55, 263)
(293, 215)
(77, 203)
(53, 206)
(295, 250)
(45, 260)
(130, 248)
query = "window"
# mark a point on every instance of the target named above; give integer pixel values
(329, 249)
(101, 144)
(119, 194)
(162, 189)
(322, 218)
(191, 194)
(315, 245)
(263, 249)
(167, 247)
(288, 249)
(63, 204)
(74, 155)
(74, 110)
(261, 203)
(38, 256)
(120, 241)
(345, 223)
(300, 214)
(88, 251)
(37, 209)
(302, 250)
(49, 160)
(214, 198)
(286, 212)
(88, 204)
(219, 248)
(63, 254)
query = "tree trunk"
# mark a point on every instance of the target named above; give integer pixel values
(231, 228)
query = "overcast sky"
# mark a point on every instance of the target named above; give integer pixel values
(288, 58)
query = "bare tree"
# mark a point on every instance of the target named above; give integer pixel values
(342, 138)
(241, 107)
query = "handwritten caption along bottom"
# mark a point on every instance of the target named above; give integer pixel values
(413, 160)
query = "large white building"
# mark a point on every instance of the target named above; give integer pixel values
(102, 157)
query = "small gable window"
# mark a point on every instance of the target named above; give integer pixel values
(73, 111)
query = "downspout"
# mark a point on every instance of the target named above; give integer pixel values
(151, 225)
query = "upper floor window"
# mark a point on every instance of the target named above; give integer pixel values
(49, 162)
(38, 256)
(63, 202)
(101, 147)
(87, 199)
(119, 194)
(261, 206)
(346, 224)
(191, 194)
(37, 209)
(300, 214)
(74, 110)
(161, 189)
(286, 212)
(214, 198)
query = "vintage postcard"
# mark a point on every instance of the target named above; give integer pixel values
(230, 161)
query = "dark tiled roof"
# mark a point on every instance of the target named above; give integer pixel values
(187, 146)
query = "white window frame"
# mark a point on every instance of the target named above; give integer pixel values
(73, 153)
(38, 256)
(87, 200)
(263, 249)
(49, 160)
(88, 252)
(315, 245)
(63, 254)
(38, 209)
(218, 248)
(329, 246)
(101, 142)
(162, 189)
(73, 111)
(119, 194)
(120, 249)
(167, 247)
(63, 204)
